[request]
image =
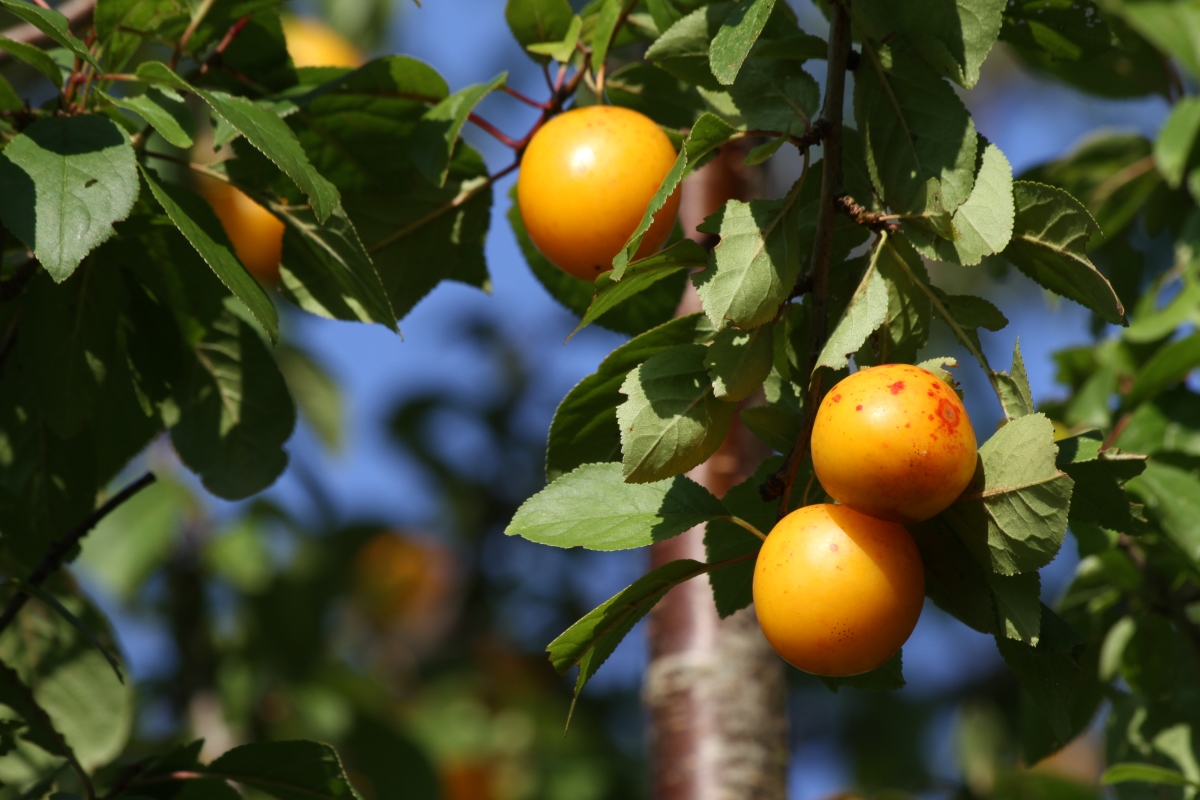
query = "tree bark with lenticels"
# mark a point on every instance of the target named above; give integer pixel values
(714, 689)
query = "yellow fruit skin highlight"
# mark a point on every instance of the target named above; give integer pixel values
(894, 442)
(586, 179)
(311, 43)
(837, 592)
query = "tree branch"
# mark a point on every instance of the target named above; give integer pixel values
(59, 550)
(831, 189)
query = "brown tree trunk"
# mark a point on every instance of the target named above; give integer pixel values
(714, 688)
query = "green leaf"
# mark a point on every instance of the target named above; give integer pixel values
(326, 270)
(866, 311)
(954, 578)
(417, 233)
(1171, 422)
(533, 21)
(672, 420)
(1018, 607)
(1065, 30)
(603, 29)
(34, 57)
(724, 540)
(1013, 515)
(1176, 140)
(737, 35)
(64, 688)
(9, 99)
(562, 50)
(966, 314)
(438, 130)
(165, 110)
(1051, 673)
(953, 35)
(983, 224)
(1049, 244)
(767, 95)
(199, 224)
(1168, 366)
(1113, 176)
(263, 129)
(594, 508)
(683, 48)
(763, 152)
(315, 391)
(54, 25)
(754, 267)
(1128, 771)
(662, 97)
(53, 603)
(1015, 395)
(40, 730)
(295, 770)
(1099, 476)
(738, 362)
(235, 414)
(584, 429)
(640, 276)
(709, 133)
(777, 427)
(63, 182)
(590, 641)
(1172, 495)
(905, 330)
(1172, 27)
(1151, 323)
(1085, 46)
(68, 344)
(914, 129)
(134, 540)
(637, 308)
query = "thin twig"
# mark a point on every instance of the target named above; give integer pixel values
(222, 45)
(201, 12)
(59, 550)
(831, 189)
(495, 132)
(511, 92)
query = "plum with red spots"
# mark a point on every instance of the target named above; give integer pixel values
(907, 451)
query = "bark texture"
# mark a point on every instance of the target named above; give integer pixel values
(715, 690)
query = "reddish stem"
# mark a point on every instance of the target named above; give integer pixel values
(504, 138)
(228, 38)
(511, 92)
